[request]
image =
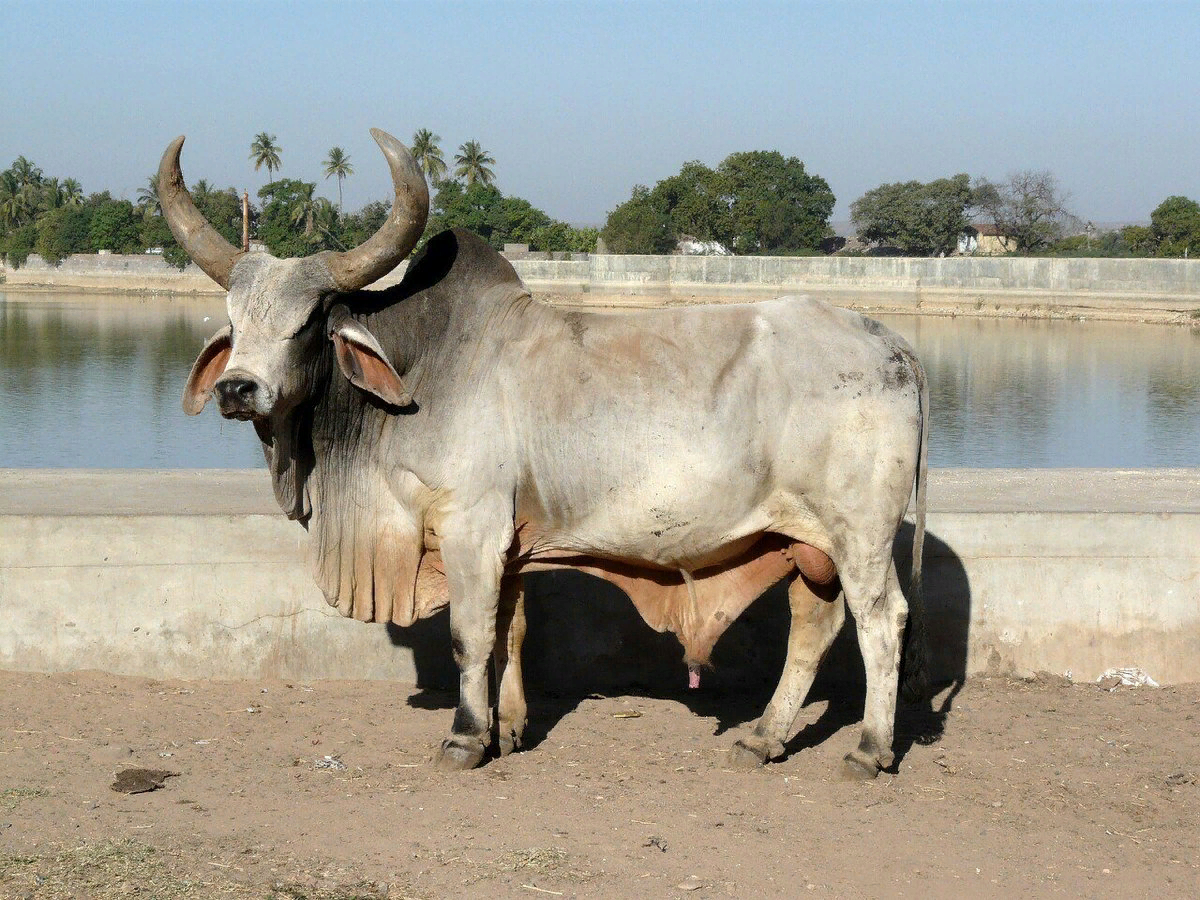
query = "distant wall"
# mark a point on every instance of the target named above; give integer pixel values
(1159, 289)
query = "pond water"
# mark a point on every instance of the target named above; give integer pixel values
(95, 382)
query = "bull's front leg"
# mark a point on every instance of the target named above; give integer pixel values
(474, 548)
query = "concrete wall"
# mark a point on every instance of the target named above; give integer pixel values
(195, 574)
(1161, 289)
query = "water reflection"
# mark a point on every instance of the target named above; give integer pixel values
(1058, 393)
(95, 382)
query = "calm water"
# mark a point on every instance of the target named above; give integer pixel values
(95, 383)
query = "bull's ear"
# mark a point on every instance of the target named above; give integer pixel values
(206, 370)
(363, 361)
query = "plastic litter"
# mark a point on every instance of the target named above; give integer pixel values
(1130, 676)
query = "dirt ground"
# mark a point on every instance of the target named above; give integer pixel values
(324, 791)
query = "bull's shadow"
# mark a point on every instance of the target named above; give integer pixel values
(585, 638)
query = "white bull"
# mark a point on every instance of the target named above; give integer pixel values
(442, 437)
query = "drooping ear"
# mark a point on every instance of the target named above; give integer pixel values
(363, 361)
(206, 370)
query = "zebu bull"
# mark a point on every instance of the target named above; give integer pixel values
(442, 437)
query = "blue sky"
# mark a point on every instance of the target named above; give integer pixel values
(579, 101)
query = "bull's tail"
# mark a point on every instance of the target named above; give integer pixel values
(914, 683)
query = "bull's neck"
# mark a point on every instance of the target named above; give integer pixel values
(412, 331)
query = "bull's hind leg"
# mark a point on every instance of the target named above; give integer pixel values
(880, 613)
(817, 617)
(510, 686)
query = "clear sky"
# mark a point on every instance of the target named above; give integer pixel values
(580, 101)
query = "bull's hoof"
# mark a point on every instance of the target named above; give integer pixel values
(752, 752)
(858, 766)
(458, 753)
(744, 757)
(508, 741)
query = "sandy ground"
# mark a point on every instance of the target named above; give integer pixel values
(290, 790)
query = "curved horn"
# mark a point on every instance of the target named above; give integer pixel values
(384, 250)
(203, 243)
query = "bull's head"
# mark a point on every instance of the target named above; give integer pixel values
(282, 312)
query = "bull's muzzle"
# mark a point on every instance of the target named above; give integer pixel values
(240, 397)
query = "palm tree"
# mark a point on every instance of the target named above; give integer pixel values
(52, 194)
(265, 152)
(10, 204)
(18, 202)
(473, 162)
(324, 219)
(304, 208)
(200, 191)
(338, 164)
(72, 192)
(26, 173)
(147, 198)
(428, 154)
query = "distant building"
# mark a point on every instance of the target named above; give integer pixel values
(982, 239)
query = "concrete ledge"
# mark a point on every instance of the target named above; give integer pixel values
(195, 574)
(1156, 290)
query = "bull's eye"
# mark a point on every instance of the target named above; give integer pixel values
(315, 317)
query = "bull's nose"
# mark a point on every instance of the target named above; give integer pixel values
(237, 391)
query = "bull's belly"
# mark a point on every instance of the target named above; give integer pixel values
(659, 536)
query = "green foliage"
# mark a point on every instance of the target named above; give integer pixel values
(559, 237)
(428, 154)
(64, 231)
(474, 164)
(919, 219)
(114, 226)
(1130, 241)
(697, 203)
(277, 227)
(17, 244)
(357, 227)
(775, 205)
(497, 219)
(1138, 239)
(1175, 225)
(265, 152)
(639, 225)
(754, 202)
(337, 165)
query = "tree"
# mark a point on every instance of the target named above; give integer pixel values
(697, 203)
(428, 154)
(26, 173)
(147, 198)
(17, 244)
(1029, 209)
(561, 237)
(1175, 225)
(919, 219)
(473, 164)
(337, 164)
(775, 205)
(356, 227)
(278, 226)
(17, 206)
(63, 231)
(265, 152)
(114, 226)
(72, 192)
(639, 225)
